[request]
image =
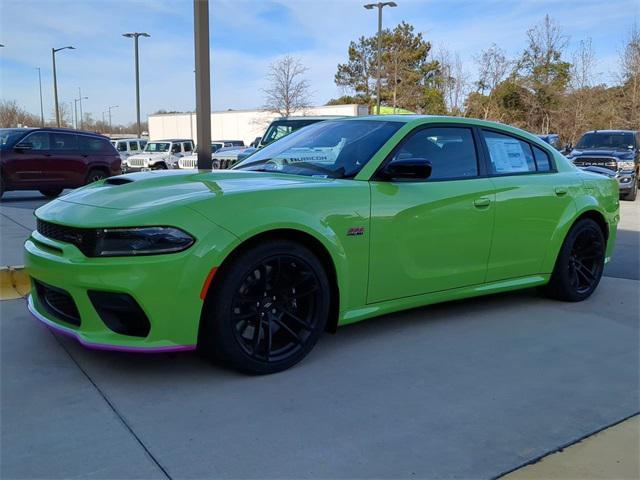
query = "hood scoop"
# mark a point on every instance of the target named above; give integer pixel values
(118, 181)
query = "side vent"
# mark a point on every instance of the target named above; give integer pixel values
(117, 181)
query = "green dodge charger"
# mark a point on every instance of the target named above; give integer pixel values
(340, 221)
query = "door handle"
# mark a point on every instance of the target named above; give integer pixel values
(560, 191)
(482, 202)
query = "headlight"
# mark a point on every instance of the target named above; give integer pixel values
(118, 242)
(626, 165)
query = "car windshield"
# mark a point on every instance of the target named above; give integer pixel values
(157, 147)
(8, 136)
(331, 149)
(604, 140)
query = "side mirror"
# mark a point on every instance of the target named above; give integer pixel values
(24, 146)
(408, 169)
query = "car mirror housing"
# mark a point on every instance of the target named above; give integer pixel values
(23, 146)
(407, 169)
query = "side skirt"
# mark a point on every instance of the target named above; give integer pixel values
(390, 306)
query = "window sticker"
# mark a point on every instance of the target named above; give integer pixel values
(507, 155)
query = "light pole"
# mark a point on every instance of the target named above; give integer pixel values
(75, 109)
(109, 108)
(80, 98)
(41, 107)
(379, 6)
(135, 36)
(203, 82)
(55, 80)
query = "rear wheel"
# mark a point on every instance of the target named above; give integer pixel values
(579, 264)
(267, 309)
(51, 192)
(95, 175)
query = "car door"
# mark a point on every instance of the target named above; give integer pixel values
(432, 235)
(66, 165)
(28, 167)
(531, 199)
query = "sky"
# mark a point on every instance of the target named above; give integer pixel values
(248, 35)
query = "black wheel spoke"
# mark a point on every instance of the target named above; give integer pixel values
(279, 298)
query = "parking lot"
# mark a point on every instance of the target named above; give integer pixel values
(471, 389)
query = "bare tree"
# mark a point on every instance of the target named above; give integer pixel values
(454, 81)
(288, 90)
(493, 68)
(630, 78)
(12, 115)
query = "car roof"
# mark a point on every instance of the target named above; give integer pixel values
(172, 140)
(132, 139)
(612, 131)
(60, 130)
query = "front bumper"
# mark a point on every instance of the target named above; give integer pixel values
(167, 289)
(626, 181)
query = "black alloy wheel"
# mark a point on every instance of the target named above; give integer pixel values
(579, 264)
(266, 309)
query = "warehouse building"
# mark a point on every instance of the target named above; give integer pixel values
(243, 125)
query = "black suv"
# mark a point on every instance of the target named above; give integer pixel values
(617, 151)
(52, 159)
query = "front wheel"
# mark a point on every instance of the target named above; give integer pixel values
(633, 193)
(51, 192)
(579, 264)
(266, 309)
(95, 176)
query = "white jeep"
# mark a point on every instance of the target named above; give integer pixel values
(159, 155)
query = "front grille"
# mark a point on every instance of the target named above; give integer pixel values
(83, 238)
(188, 163)
(58, 303)
(136, 162)
(604, 162)
(224, 163)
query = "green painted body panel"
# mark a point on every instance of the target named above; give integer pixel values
(423, 242)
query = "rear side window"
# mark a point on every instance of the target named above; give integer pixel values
(122, 146)
(508, 154)
(94, 144)
(63, 141)
(451, 151)
(542, 159)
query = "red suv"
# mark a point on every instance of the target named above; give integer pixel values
(52, 159)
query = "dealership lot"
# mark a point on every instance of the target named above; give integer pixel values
(468, 389)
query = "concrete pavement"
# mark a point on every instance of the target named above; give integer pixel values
(470, 389)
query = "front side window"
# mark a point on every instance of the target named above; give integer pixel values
(186, 146)
(508, 154)
(38, 140)
(157, 147)
(451, 151)
(133, 146)
(332, 149)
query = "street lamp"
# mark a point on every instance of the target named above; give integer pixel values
(55, 80)
(41, 107)
(109, 109)
(379, 6)
(135, 36)
(75, 109)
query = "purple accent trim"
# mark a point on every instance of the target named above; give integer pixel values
(102, 346)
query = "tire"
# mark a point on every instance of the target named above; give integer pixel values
(266, 309)
(633, 193)
(580, 263)
(51, 192)
(95, 175)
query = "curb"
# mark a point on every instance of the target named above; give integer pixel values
(14, 282)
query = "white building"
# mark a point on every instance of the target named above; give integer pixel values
(234, 124)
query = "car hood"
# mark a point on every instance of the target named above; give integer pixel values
(601, 153)
(160, 188)
(150, 155)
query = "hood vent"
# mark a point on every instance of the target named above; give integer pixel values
(118, 181)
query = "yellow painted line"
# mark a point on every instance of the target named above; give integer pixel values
(14, 283)
(613, 453)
